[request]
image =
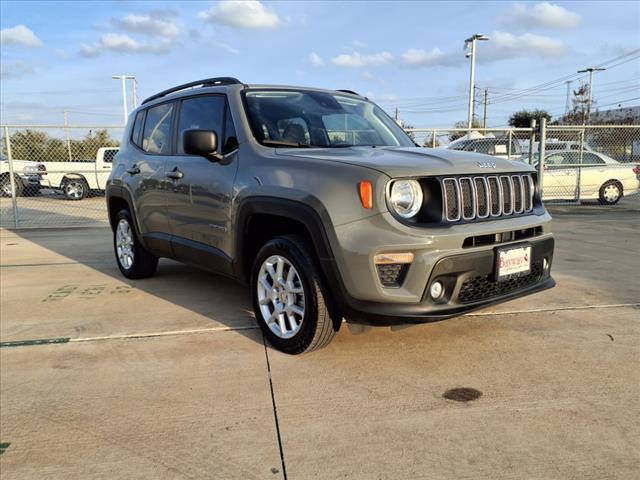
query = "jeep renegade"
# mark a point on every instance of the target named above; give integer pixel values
(324, 206)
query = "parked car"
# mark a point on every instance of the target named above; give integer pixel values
(600, 177)
(496, 147)
(256, 183)
(76, 180)
(27, 177)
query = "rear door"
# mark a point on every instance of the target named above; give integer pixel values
(152, 136)
(198, 202)
(560, 176)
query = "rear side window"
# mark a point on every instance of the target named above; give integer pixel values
(201, 113)
(109, 155)
(137, 129)
(591, 159)
(157, 130)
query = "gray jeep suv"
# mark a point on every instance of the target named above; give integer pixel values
(324, 206)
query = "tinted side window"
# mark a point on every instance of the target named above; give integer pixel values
(201, 113)
(591, 159)
(230, 138)
(157, 130)
(137, 128)
(109, 155)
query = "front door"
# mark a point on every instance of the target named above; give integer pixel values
(199, 193)
(560, 176)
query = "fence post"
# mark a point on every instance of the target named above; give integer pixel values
(541, 152)
(433, 139)
(12, 179)
(532, 140)
(509, 146)
(579, 175)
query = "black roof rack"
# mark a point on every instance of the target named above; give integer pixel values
(349, 91)
(207, 82)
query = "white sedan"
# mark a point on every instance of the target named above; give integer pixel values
(588, 175)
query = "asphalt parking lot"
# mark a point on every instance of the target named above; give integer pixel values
(169, 378)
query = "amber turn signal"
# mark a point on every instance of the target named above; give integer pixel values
(366, 194)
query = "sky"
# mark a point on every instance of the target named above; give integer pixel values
(58, 56)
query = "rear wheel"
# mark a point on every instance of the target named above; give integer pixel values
(610, 193)
(288, 297)
(133, 259)
(75, 188)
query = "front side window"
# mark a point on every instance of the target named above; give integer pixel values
(302, 118)
(201, 113)
(157, 130)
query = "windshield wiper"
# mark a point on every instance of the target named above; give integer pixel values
(282, 143)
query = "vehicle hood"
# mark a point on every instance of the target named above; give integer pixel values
(411, 161)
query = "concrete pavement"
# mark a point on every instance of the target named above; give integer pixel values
(168, 378)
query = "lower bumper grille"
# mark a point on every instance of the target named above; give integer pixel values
(484, 287)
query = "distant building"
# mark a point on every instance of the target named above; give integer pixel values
(626, 115)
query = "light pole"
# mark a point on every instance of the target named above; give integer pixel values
(123, 79)
(472, 78)
(566, 103)
(590, 70)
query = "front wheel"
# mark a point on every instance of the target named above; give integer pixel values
(610, 193)
(134, 261)
(5, 186)
(288, 297)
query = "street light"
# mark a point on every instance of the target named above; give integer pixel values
(123, 79)
(590, 70)
(472, 40)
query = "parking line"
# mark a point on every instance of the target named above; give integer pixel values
(61, 340)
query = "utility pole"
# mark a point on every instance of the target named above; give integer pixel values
(66, 131)
(472, 77)
(484, 113)
(590, 70)
(123, 79)
(566, 103)
(135, 92)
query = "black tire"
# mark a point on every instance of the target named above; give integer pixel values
(144, 263)
(317, 327)
(75, 188)
(605, 192)
(5, 185)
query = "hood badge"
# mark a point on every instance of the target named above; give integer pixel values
(486, 164)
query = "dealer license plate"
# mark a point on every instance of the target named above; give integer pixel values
(513, 262)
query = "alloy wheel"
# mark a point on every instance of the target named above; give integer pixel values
(124, 244)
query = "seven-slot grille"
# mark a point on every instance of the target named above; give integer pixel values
(477, 197)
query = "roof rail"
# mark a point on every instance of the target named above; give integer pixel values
(349, 91)
(207, 82)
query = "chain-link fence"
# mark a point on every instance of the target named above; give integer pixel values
(55, 175)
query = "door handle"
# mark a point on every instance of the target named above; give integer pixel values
(134, 170)
(175, 174)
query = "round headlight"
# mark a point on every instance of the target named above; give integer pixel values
(406, 198)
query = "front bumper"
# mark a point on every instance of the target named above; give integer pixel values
(469, 283)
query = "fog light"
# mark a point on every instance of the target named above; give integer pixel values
(436, 290)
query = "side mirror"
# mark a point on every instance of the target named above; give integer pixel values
(201, 142)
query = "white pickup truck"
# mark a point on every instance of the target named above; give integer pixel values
(27, 177)
(76, 180)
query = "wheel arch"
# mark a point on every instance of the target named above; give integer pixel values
(73, 176)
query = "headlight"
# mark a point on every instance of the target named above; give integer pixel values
(405, 197)
(30, 169)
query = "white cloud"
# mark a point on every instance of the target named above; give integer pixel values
(315, 59)
(148, 25)
(249, 14)
(357, 60)
(121, 43)
(543, 14)
(226, 47)
(19, 36)
(415, 57)
(504, 45)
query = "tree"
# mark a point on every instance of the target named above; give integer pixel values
(38, 146)
(522, 118)
(431, 141)
(463, 124)
(579, 106)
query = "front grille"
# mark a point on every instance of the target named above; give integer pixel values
(470, 198)
(484, 286)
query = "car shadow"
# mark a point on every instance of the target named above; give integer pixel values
(223, 301)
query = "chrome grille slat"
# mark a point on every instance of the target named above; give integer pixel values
(484, 196)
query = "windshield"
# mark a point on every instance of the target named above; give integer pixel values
(301, 118)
